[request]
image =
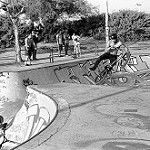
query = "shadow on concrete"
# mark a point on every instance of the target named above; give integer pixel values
(97, 99)
(116, 145)
(9, 64)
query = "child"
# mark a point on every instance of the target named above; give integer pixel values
(76, 42)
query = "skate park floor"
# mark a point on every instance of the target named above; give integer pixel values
(97, 117)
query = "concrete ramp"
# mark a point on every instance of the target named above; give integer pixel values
(98, 118)
(59, 106)
(37, 113)
(12, 94)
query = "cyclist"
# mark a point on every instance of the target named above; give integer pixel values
(112, 47)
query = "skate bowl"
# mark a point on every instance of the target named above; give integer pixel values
(48, 100)
(36, 114)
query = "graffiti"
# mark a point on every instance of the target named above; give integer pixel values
(32, 99)
(124, 133)
(72, 75)
(67, 74)
(2, 81)
(138, 62)
(2, 84)
(2, 74)
(38, 116)
(135, 72)
(3, 77)
(4, 99)
(130, 122)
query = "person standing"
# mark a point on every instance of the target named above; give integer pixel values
(59, 40)
(29, 49)
(38, 26)
(76, 42)
(35, 39)
(66, 38)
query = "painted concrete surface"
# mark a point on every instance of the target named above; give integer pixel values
(90, 116)
(12, 95)
(98, 118)
(37, 112)
(75, 71)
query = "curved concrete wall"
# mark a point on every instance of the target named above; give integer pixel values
(12, 94)
(37, 112)
(41, 109)
(77, 72)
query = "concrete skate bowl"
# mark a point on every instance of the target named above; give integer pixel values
(37, 113)
(136, 72)
(77, 71)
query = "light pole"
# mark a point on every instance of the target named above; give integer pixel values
(106, 23)
(139, 6)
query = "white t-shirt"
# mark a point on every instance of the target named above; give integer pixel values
(114, 46)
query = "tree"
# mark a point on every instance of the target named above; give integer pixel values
(48, 10)
(130, 25)
(13, 10)
(5, 31)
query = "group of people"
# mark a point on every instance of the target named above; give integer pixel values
(31, 41)
(62, 39)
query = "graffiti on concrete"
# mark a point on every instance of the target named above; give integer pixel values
(3, 78)
(136, 71)
(3, 100)
(138, 62)
(3, 87)
(38, 117)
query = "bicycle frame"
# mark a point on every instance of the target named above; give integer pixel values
(108, 70)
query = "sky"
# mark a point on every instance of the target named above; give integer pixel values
(116, 5)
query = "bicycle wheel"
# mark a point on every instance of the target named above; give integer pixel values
(125, 59)
(101, 77)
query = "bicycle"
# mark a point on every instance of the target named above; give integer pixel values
(121, 61)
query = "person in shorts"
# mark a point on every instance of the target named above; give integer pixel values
(76, 42)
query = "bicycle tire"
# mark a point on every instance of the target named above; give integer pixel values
(124, 60)
(101, 77)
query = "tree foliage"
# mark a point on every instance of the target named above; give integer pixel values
(49, 10)
(130, 25)
(5, 31)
